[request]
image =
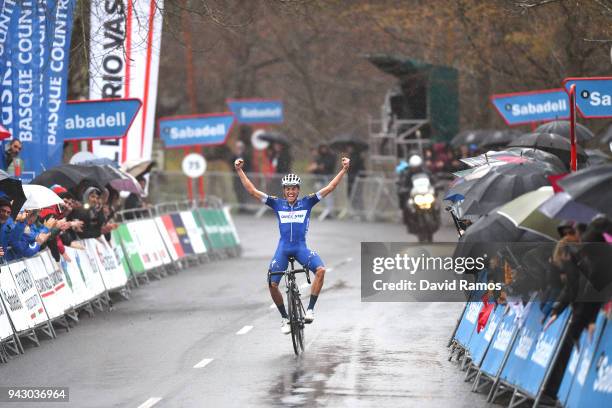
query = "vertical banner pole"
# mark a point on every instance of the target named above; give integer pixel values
(572, 97)
(189, 184)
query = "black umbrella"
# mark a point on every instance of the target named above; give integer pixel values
(596, 156)
(71, 175)
(275, 137)
(11, 187)
(591, 187)
(541, 156)
(341, 142)
(552, 143)
(492, 234)
(468, 137)
(562, 128)
(502, 184)
(498, 138)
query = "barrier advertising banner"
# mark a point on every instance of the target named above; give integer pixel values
(181, 232)
(533, 350)
(44, 285)
(145, 245)
(194, 232)
(501, 341)
(119, 253)
(14, 306)
(34, 53)
(27, 293)
(100, 119)
(125, 40)
(62, 291)
(130, 250)
(110, 270)
(166, 230)
(5, 325)
(479, 343)
(597, 389)
(75, 277)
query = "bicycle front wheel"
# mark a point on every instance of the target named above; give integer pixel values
(294, 321)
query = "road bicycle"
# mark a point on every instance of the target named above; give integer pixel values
(295, 308)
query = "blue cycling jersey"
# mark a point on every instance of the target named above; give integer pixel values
(293, 219)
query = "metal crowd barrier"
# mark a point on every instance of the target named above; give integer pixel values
(38, 294)
(514, 354)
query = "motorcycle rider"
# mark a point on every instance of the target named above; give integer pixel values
(405, 171)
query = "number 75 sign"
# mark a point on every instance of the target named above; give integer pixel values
(194, 165)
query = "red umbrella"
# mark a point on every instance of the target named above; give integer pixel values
(4, 134)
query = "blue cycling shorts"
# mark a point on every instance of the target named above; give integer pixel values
(280, 262)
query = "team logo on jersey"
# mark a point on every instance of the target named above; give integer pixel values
(292, 216)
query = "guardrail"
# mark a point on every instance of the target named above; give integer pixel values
(38, 294)
(514, 353)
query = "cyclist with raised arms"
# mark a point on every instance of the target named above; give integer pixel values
(293, 217)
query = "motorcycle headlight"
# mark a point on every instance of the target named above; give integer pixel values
(424, 200)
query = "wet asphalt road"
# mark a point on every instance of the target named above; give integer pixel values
(358, 354)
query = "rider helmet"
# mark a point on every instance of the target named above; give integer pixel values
(291, 180)
(415, 161)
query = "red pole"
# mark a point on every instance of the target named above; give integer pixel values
(75, 147)
(200, 179)
(573, 158)
(189, 184)
(534, 126)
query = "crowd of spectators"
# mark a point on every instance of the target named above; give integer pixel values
(571, 273)
(89, 214)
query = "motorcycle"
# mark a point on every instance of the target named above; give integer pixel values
(422, 208)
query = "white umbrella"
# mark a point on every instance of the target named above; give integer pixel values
(38, 197)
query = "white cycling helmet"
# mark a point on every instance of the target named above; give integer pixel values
(415, 161)
(291, 180)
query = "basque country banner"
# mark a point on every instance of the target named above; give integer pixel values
(125, 40)
(34, 54)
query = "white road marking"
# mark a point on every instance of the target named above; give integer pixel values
(272, 306)
(304, 285)
(150, 402)
(203, 363)
(244, 330)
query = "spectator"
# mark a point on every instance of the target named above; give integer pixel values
(8, 231)
(280, 157)
(90, 214)
(12, 163)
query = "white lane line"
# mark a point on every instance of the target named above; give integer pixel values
(244, 330)
(272, 306)
(150, 402)
(203, 363)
